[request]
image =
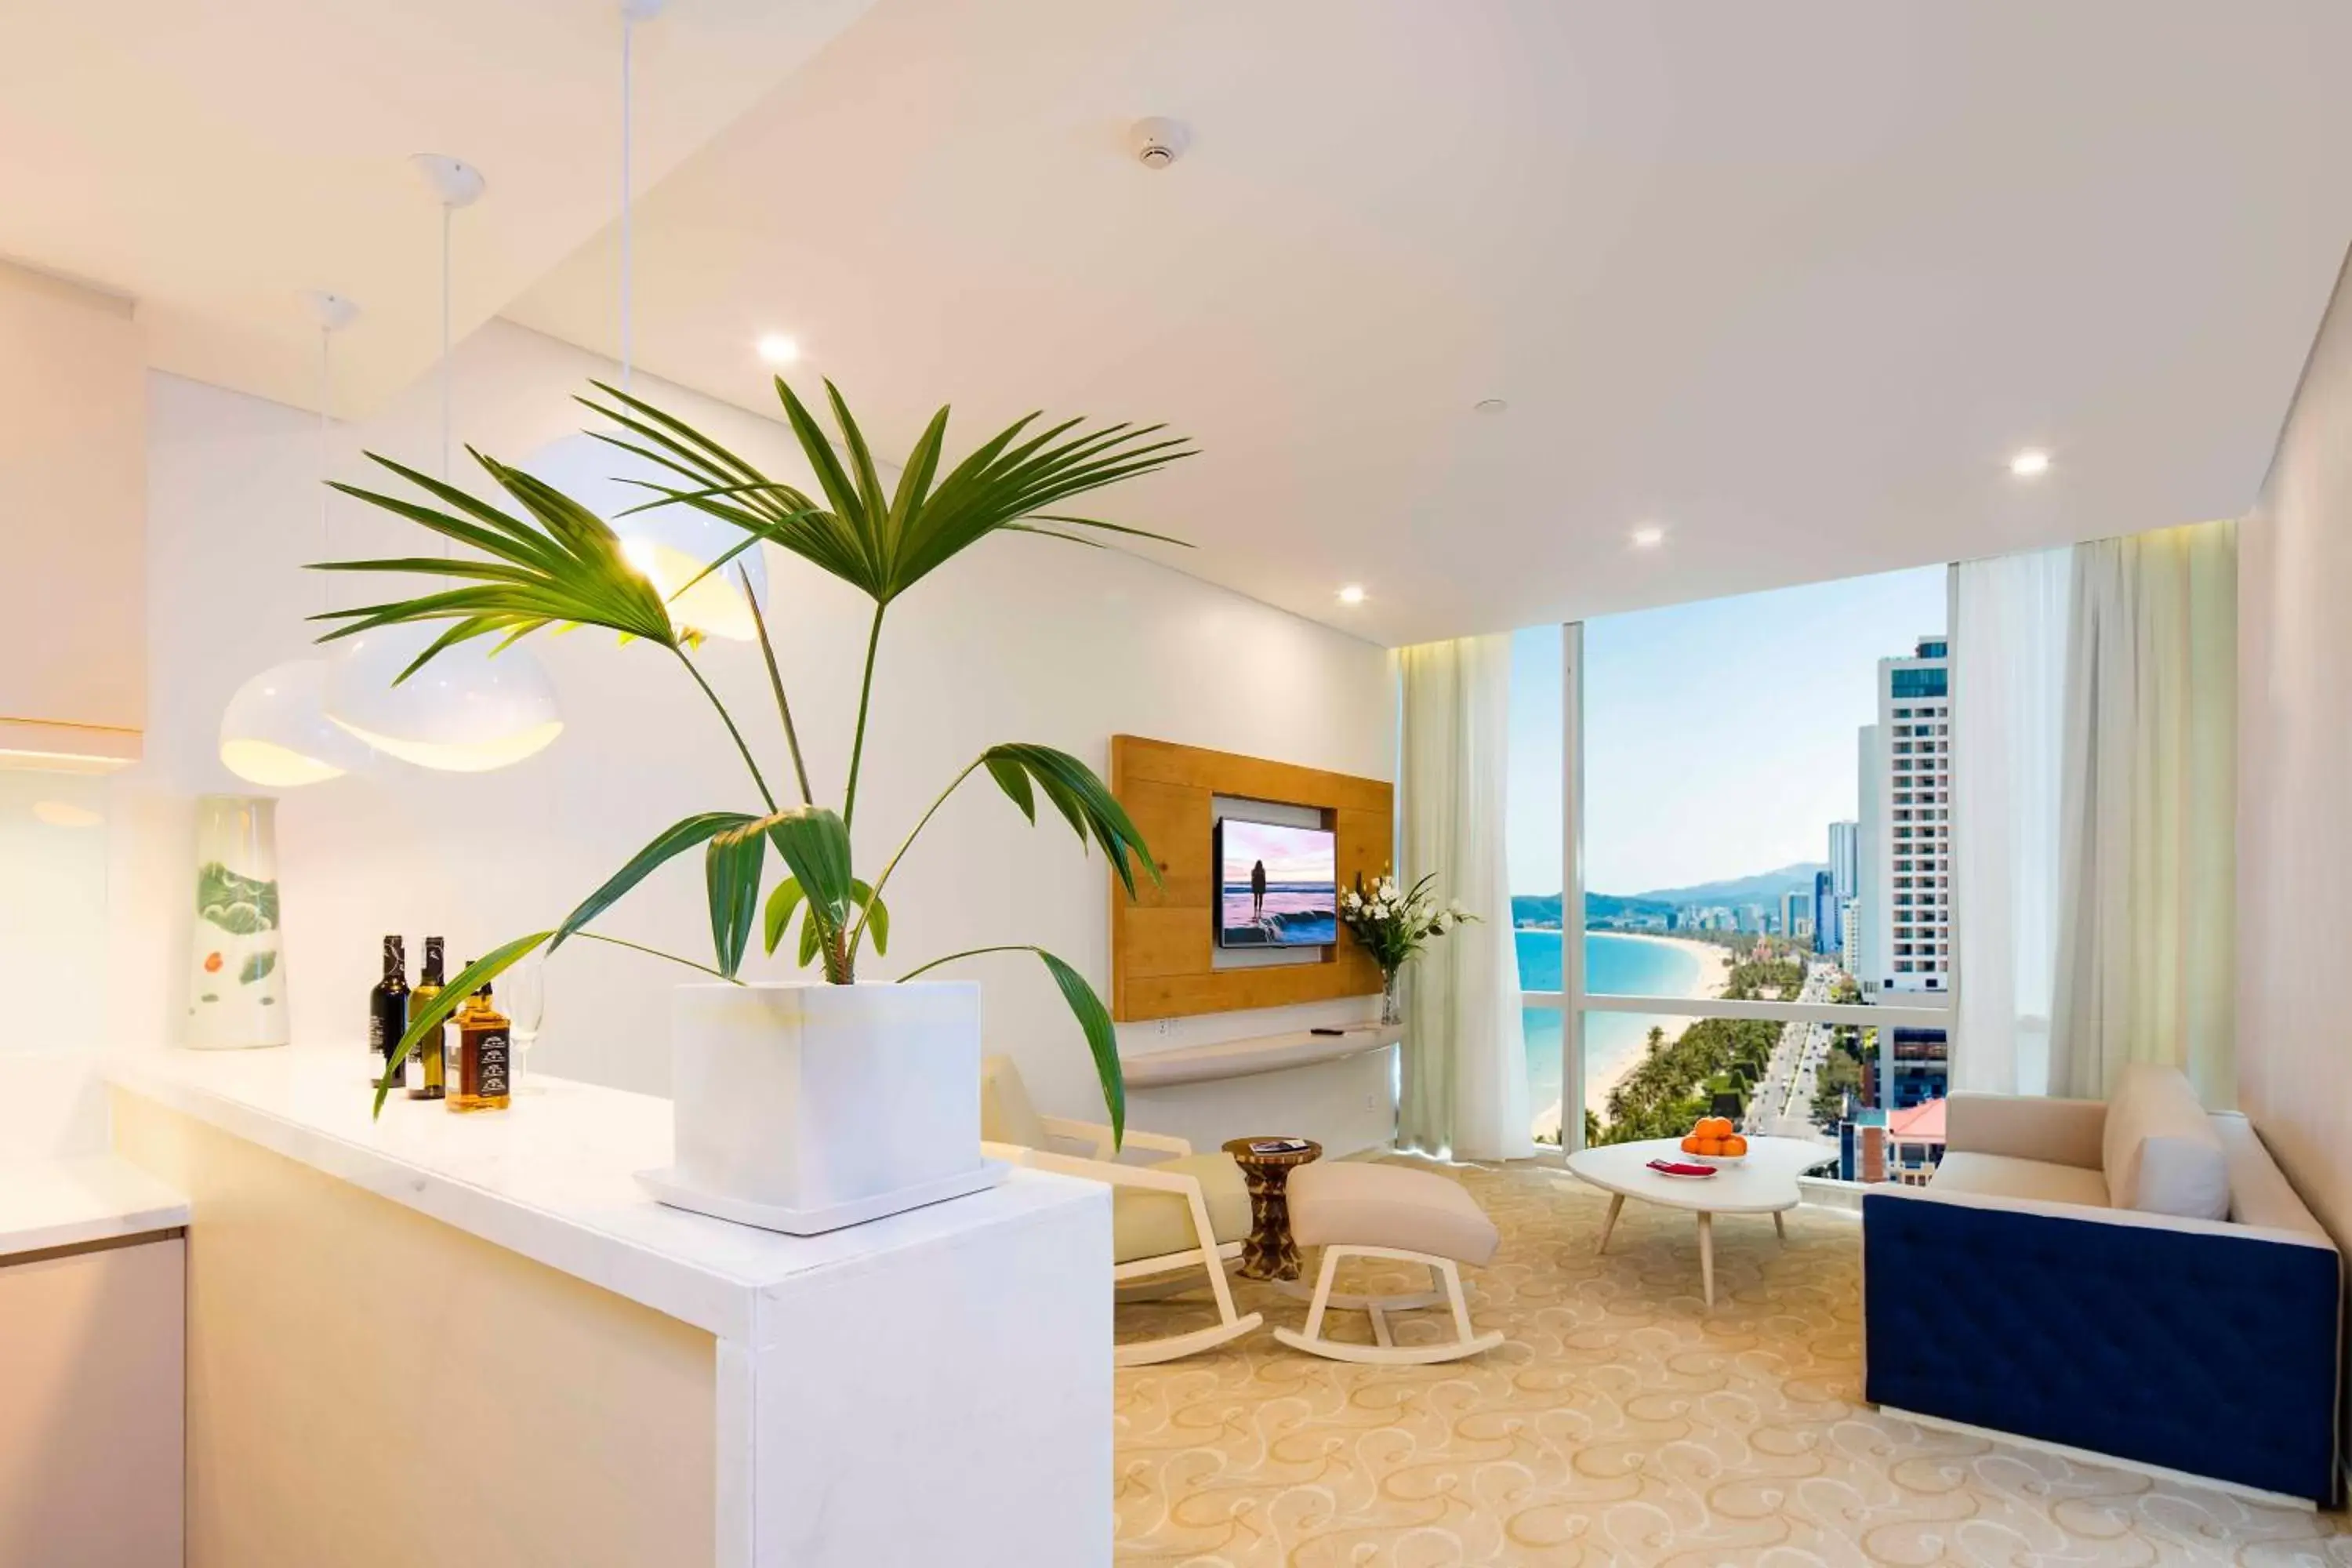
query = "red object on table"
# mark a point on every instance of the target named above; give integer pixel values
(1679, 1168)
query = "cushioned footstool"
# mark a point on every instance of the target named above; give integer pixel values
(1351, 1209)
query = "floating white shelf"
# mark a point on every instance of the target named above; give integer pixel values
(1257, 1054)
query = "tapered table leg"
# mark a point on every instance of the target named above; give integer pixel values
(1616, 1204)
(1780, 1228)
(1707, 1255)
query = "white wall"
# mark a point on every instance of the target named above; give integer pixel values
(1024, 639)
(2294, 775)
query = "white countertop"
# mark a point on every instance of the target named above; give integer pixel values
(552, 1178)
(74, 1201)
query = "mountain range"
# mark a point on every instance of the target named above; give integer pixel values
(1765, 888)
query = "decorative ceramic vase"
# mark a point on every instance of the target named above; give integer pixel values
(1392, 996)
(805, 1107)
(236, 991)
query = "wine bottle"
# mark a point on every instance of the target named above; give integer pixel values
(388, 1009)
(426, 1070)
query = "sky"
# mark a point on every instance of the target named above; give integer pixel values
(1720, 737)
(1291, 854)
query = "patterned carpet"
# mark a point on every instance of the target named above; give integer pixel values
(1620, 1422)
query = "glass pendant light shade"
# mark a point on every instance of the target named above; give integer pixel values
(671, 545)
(467, 711)
(275, 732)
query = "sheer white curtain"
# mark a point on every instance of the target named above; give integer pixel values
(1465, 1059)
(2148, 817)
(2008, 703)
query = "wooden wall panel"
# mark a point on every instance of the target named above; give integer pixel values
(1163, 943)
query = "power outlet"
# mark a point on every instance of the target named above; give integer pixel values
(1164, 1028)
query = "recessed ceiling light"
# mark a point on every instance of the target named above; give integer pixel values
(778, 349)
(1353, 594)
(2028, 464)
(1490, 406)
(1649, 536)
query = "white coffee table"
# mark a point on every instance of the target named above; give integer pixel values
(1763, 1183)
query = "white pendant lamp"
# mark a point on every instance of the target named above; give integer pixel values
(275, 731)
(672, 545)
(468, 712)
(470, 709)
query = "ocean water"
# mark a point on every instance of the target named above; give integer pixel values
(1293, 914)
(1625, 965)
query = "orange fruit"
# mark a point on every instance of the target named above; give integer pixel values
(1713, 1127)
(1710, 1146)
(1735, 1146)
(1690, 1145)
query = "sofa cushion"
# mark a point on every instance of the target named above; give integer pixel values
(2258, 1193)
(2007, 1176)
(1353, 1203)
(1145, 1224)
(2161, 1152)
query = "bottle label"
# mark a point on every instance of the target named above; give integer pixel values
(490, 1057)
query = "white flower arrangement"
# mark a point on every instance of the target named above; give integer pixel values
(1393, 924)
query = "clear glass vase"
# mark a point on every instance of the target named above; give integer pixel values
(236, 991)
(1392, 996)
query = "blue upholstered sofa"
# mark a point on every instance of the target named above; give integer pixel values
(2035, 1287)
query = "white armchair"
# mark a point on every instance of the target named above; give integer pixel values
(1186, 1211)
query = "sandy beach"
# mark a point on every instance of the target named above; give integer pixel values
(1714, 977)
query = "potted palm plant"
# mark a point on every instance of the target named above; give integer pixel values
(802, 1106)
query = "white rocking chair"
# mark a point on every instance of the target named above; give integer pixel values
(1357, 1209)
(1190, 1211)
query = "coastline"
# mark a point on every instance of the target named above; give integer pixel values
(1714, 978)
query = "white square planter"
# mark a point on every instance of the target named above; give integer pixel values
(804, 1108)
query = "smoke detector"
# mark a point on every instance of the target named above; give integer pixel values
(1158, 142)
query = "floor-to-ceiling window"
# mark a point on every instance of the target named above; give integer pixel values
(1752, 797)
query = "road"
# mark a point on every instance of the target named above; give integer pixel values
(1781, 1106)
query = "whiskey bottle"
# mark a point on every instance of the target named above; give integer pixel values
(427, 1069)
(387, 1009)
(485, 1055)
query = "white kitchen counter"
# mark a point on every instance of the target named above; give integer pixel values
(932, 1387)
(552, 1178)
(79, 1200)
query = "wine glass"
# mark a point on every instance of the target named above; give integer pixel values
(522, 997)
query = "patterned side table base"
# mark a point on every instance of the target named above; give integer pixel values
(1269, 1253)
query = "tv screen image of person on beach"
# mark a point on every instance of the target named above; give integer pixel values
(1279, 887)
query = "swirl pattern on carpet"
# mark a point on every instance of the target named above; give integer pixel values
(1620, 1422)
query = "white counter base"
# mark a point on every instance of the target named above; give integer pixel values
(932, 1387)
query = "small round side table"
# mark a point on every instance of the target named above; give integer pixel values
(1269, 1253)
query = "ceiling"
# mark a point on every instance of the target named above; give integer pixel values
(213, 161)
(1791, 282)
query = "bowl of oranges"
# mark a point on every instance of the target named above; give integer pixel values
(1716, 1141)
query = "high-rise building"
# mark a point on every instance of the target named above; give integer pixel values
(1850, 934)
(1795, 911)
(1845, 857)
(1825, 914)
(1907, 920)
(1870, 838)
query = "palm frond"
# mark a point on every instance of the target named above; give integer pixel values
(880, 543)
(559, 565)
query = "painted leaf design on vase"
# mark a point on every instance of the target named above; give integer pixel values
(240, 905)
(257, 966)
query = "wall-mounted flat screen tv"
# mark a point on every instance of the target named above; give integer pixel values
(1278, 886)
